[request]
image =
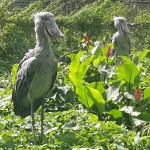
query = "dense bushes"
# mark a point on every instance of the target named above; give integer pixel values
(109, 93)
(17, 32)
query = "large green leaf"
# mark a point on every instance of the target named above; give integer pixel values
(98, 86)
(96, 51)
(2, 126)
(139, 56)
(97, 98)
(89, 96)
(143, 54)
(112, 93)
(78, 74)
(73, 68)
(147, 93)
(115, 113)
(145, 116)
(83, 97)
(127, 109)
(98, 60)
(129, 72)
(129, 96)
(14, 72)
(83, 67)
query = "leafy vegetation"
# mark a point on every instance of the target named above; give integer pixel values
(94, 18)
(97, 102)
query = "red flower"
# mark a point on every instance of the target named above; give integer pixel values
(108, 52)
(138, 93)
(87, 39)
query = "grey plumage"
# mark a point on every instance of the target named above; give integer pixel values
(121, 39)
(38, 68)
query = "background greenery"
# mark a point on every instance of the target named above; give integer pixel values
(74, 18)
(74, 118)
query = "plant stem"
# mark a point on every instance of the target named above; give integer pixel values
(128, 115)
(141, 111)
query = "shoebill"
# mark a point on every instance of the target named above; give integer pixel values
(37, 70)
(121, 39)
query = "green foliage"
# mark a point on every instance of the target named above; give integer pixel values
(94, 100)
(73, 129)
(14, 71)
(68, 124)
(94, 18)
(129, 72)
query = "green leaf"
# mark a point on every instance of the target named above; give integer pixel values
(98, 60)
(78, 69)
(98, 86)
(73, 68)
(139, 56)
(115, 113)
(10, 144)
(129, 72)
(126, 59)
(127, 109)
(135, 113)
(83, 67)
(129, 96)
(137, 122)
(2, 126)
(97, 98)
(145, 116)
(147, 93)
(83, 97)
(112, 93)
(96, 51)
(89, 96)
(143, 54)
(69, 137)
(14, 72)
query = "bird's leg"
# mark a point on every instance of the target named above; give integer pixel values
(42, 120)
(33, 122)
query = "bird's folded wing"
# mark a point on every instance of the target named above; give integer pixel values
(24, 78)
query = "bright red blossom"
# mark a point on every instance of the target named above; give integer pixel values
(87, 39)
(138, 93)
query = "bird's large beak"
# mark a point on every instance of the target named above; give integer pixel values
(53, 31)
(124, 28)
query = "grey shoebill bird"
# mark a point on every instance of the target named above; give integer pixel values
(121, 39)
(37, 70)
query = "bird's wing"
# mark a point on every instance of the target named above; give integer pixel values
(114, 40)
(28, 55)
(54, 77)
(24, 77)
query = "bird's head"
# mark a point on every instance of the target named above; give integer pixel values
(120, 24)
(45, 22)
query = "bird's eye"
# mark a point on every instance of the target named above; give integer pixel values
(45, 18)
(121, 21)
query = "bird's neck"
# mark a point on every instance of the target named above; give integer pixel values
(120, 32)
(42, 41)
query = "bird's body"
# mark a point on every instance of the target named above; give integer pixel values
(34, 79)
(121, 39)
(122, 44)
(37, 70)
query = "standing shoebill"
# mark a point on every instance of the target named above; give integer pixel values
(37, 70)
(121, 38)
